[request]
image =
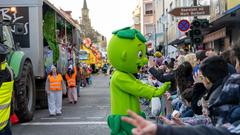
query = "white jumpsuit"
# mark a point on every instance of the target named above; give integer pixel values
(55, 98)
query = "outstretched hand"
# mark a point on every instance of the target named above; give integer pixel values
(143, 127)
(161, 90)
(174, 122)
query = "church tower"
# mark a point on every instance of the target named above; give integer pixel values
(86, 22)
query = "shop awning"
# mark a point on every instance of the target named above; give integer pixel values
(218, 27)
(226, 20)
(174, 42)
(178, 41)
(234, 9)
(215, 35)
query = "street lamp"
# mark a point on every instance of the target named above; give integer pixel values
(166, 53)
(165, 24)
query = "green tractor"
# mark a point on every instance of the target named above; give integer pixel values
(24, 84)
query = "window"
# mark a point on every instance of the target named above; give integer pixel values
(149, 28)
(136, 20)
(171, 7)
(177, 3)
(7, 37)
(148, 8)
(185, 3)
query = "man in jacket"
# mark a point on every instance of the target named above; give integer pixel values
(6, 89)
(228, 102)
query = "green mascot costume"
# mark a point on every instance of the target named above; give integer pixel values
(127, 54)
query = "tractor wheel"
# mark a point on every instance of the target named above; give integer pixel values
(25, 93)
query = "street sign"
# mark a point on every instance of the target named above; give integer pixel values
(190, 11)
(184, 25)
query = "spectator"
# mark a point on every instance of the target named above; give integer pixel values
(187, 99)
(236, 52)
(144, 127)
(200, 55)
(78, 79)
(211, 53)
(198, 88)
(180, 59)
(88, 75)
(215, 72)
(191, 58)
(184, 77)
(165, 77)
(84, 74)
(158, 58)
(227, 57)
(227, 103)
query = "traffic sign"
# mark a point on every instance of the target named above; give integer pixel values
(190, 11)
(184, 25)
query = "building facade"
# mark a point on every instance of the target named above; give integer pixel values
(137, 16)
(161, 28)
(147, 23)
(168, 34)
(166, 25)
(225, 30)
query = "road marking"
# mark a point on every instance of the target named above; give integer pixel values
(103, 106)
(71, 118)
(87, 106)
(95, 117)
(48, 118)
(64, 123)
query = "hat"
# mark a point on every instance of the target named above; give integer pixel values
(4, 49)
(158, 54)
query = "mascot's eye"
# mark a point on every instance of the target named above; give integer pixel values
(140, 54)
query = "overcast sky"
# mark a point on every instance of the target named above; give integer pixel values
(106, 15)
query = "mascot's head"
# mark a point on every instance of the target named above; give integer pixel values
(127, 51)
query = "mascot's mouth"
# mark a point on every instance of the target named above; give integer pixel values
(139, 67)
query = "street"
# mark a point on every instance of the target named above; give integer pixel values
(87, 117)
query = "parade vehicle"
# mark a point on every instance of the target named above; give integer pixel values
(38, 35)
(91, 55)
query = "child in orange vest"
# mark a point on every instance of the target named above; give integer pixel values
(72, 86)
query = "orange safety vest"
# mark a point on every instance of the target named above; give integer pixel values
(71, 81)
(55, 83)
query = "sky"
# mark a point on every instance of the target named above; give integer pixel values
(106, 15)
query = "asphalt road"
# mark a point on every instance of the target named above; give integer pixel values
(87, 117)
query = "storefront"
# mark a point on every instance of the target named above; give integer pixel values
(224, 31)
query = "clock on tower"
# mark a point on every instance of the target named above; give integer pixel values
(85, 12)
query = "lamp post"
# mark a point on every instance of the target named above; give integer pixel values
(155, 38)
(166, 39)
(165, 23)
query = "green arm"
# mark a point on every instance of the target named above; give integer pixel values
(162, 89)
(135, 87)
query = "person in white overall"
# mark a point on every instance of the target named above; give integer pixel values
(55, 87)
